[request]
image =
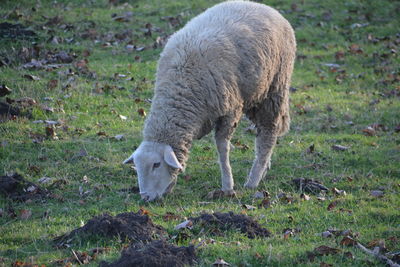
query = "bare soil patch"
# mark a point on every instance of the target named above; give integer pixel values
(136, 227)
(17, 188)
(157, 253)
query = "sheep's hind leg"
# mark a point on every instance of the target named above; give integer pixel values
(265, 142)
(223, 133)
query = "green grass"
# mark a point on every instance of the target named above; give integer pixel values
(366, 91)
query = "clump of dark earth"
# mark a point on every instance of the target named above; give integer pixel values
(226, 221)
(8, 111)
(309, 185)
(136, 227)
(17, 188)
(158, 253)
(8, 30)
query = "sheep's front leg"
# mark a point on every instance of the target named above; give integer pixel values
(223, 133)
(223, 147)
(265, 142)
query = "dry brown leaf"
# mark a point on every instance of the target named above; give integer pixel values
(141, 112)
(325, 250)
(348, 241)
(332, 205)
(4, 90)
(25, 214)
(169, 216)
(52, 84)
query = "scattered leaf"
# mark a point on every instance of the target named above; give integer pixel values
(325, 250)
(119, 137)
(4, 90)
(340, 148)
(248, 207)
(52, 84)
(25, 214)
(31, 77)
(304, 196)
(220, 263)
(169, 216)
(332, 205)
(51, 132)
(377, 193)
(186, 224)
(261, 194)
(338, 192)
(348, 241)
(122, 117)
(141, 112)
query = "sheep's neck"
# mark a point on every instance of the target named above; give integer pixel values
(171, 127)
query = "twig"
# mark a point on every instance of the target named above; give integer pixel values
(76, 257)
(377, 255)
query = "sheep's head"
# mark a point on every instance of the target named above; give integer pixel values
(156, 166)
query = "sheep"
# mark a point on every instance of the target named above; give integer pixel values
(235, 58)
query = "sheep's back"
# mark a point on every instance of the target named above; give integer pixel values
(227, 55)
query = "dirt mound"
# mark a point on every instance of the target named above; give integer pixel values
(226, 221)
(136, 227)
(154, 254)
(17, 188)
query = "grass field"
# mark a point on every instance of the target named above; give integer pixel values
(95, 62)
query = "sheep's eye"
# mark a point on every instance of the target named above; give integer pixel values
(156, 165)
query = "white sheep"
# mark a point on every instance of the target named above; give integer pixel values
(237, 57)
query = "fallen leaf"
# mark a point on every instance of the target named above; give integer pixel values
(324, 264)
(52, 84)
(348, 241)
(186, 224)
(31, 77)
(45, 180)
(169, 216)
(119, 137)
(265, 203)
(377, 193)
(325, 250)
(25, 214)
(380, 243)
(327, 234)
(349, 255)
(340, 148)
(304, 196)
(51, 132)
(220, 263)
(4, 90)
(338, 192)
(141, 112)
(332, 205)
(122, 117)
(261, 194)
(248, 207)
(369, 131)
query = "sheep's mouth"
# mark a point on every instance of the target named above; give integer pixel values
(170, 187)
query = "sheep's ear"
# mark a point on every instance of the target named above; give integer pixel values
(129, 160)
(170, 158)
